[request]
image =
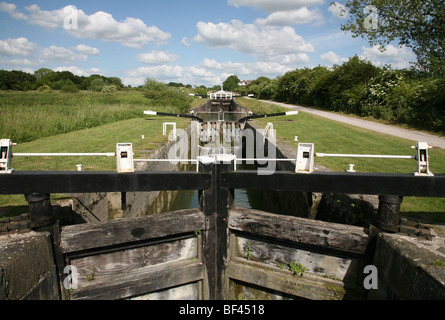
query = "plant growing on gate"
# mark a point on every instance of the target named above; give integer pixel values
(297, 269)
(248, 250)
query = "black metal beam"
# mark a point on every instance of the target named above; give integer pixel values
(26, 182)
(339, 182)
(257, 116)
(179, 115)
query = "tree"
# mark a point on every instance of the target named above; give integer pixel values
(16, 80)
(42, 72)
(231, 83)
(419, 25)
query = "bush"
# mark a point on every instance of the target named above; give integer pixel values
(44, 88)
(96, 85)
(162, 96)
(109, 88)
(396, 96)
(69, 88)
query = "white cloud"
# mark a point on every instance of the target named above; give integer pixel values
(195, 75)
(185, 42)
(275, 5)
(17, 62)
(200, 72)
(80, 71)
(17, 47)
(11, 9)
(299, 16)
(156, 57)
(338, 10)
(50, 20)
(84, 49)
(332, 58)
(265, 42)
(54, 53)
(397, 57)
(130, 32)
(163, 72)
(259, 68)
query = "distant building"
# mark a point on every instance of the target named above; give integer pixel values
(244, 83)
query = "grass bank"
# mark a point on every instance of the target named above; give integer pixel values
(334, 137)
(101, 139)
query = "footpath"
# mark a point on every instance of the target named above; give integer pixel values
(435, 141)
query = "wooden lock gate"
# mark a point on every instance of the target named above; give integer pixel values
(216, 251)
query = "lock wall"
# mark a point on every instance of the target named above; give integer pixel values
(108, 206)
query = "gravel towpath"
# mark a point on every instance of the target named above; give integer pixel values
(435, 141)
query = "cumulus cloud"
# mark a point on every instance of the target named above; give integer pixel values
(397, 57)
(17, 47)
(80, 71)
(54, 53)
(276, 5)
(171, 73)
(332, 58)
(156, 57)
(17, 62)
(299, 16)
(338, 10)
(164, 72)
(255, 69)
(11, 9)
(264, 42)
(84, 49)
(101, 25)
(130, 33)
(185, 42)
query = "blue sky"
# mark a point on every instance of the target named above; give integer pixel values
(190, 41)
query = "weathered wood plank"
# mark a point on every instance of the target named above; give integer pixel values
(309, 286)
(102, 234)
(97, 267)
(142, 281)
(186, 292)
(327, 235)
(275, 255)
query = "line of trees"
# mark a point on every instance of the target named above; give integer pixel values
(359, 87)
(46, 79)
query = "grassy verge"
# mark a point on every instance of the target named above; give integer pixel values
(334, 137)
(95, 140)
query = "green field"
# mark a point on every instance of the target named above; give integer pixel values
(84, 122)
(95, 122)
(101, 139)
(27, 116)
(334, 137)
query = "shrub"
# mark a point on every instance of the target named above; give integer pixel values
(109, 88)
(69, 88)
(162, 96)
(96, 85)
(44, 88)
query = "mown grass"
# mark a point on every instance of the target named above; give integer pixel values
(82, 122)
(334, 137)
(101, 139)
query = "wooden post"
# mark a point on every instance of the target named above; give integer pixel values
(388, 217)
(40, 211)
(42, 219)
(215, 203)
